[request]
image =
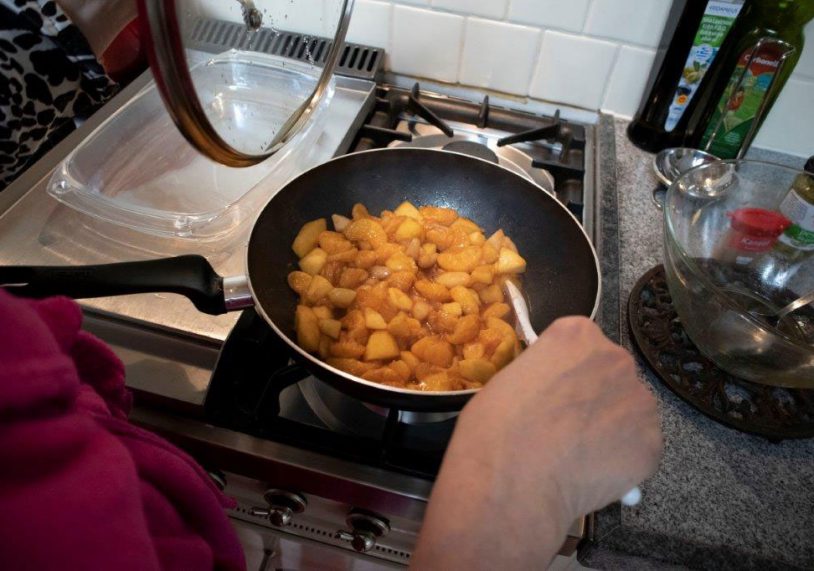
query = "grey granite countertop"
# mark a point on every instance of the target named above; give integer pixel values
(721, 498)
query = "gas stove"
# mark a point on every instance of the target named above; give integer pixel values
(319, 476)
(255, 390)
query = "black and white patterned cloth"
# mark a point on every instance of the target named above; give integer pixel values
(49, 77)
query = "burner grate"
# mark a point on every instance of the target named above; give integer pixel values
(555, 147)
(774, 412)
(246, 394)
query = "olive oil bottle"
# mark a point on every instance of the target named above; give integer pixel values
(695, 37)
(748, 80)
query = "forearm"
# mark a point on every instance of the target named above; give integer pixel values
(100, 21)
(483, 516)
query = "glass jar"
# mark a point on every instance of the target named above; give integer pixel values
(752, 232)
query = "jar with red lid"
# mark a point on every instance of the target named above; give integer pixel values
(752, 232)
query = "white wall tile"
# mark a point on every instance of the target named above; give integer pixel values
(486, 8)
(805, 67)
(498, 56)
(573, 69)
(627, 80)
(635, 21)
(370, 23)
(568, 15)
(790, 124)
(426, 43)
(231, 12)
(416, 2)
(313, 17)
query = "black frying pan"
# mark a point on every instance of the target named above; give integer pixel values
(562, 276)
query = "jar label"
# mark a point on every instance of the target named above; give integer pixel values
(800, 234)
(746, 243)
(718, 19)
(798, 238)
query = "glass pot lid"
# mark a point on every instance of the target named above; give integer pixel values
(240, 107)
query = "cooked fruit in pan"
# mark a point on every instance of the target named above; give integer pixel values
(412, 298)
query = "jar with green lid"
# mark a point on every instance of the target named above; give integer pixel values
(797, 241)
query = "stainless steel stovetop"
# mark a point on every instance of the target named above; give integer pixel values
(170, 350)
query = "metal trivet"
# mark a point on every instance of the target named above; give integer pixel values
(774, 412)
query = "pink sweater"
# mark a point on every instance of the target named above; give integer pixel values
(80, 487)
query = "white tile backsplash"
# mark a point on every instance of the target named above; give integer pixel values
(805, 67)
(489, 45)
(627, 80)
(790, 124)
(426, 43)
(569, 16)
(635, 21)
(312, 17)
(370, 23)
(487, 8)
(594, 54)
(573, 69)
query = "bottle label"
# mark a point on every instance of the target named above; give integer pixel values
(743, 98)
(718, 19)
(800, 235)
(746, 243)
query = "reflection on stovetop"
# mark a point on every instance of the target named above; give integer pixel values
(255, 390)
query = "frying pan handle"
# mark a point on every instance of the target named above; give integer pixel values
(190, 276)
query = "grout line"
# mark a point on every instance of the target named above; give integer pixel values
(454, 12)
(605, 91)
(587, 16)
(535, 68)
(581, 33)
(391, 30)
(505, 17)
(464, 29)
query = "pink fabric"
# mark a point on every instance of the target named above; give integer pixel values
(80, 487)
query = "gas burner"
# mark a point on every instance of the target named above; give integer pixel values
(549, 151)
(479, 144)
(347, 415)
(472, 149)
(257, 391)
(774, 412)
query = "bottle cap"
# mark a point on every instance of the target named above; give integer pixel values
(758, 222)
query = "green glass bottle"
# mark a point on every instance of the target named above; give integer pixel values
(694, 37)
(770, 45)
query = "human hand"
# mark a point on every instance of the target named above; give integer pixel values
(100, 21)
(564, 430)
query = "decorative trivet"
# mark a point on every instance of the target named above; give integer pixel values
(774, 412)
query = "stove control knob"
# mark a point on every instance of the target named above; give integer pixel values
(365, 529)
(282, 505)
(361, 542)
